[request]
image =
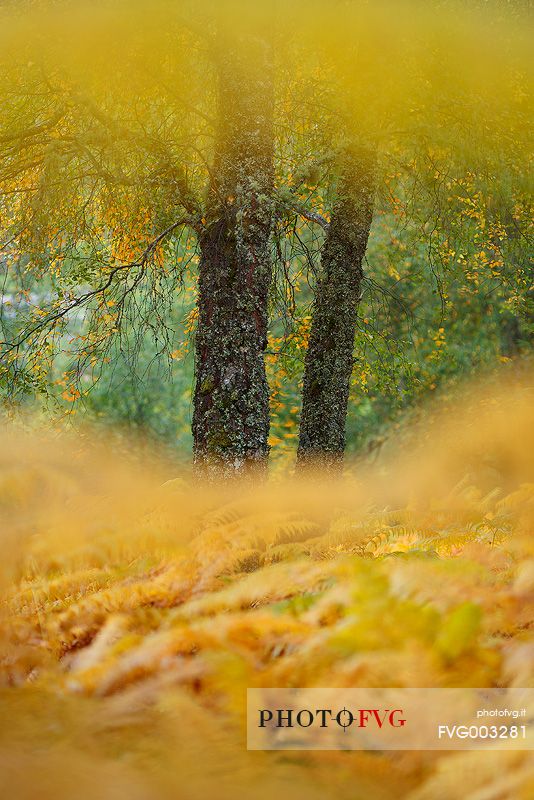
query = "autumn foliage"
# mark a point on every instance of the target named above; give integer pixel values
(140, 608)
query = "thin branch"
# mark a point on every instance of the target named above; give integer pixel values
(83, 299)
(15, 236)
(312, 216)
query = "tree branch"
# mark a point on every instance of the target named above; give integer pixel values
(312, 216)
(81, 300)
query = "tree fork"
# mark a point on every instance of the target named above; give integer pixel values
(329, 357)
(231, 398)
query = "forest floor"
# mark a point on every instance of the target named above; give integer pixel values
(139, 610)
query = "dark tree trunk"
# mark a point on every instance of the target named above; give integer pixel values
(329, 357)
(231, 399)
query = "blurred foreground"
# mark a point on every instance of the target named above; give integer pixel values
(139, 609)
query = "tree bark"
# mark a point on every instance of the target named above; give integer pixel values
(329, 357)
(231, 398)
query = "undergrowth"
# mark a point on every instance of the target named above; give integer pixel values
(139, 610)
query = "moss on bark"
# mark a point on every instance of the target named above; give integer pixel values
(329, 358)
(231, 400)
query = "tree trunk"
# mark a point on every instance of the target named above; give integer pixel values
(231, 399)
(329, 358)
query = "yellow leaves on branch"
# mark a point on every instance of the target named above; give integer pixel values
(71, 394)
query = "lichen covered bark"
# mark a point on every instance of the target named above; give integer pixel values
(231, 399)
(329, 356)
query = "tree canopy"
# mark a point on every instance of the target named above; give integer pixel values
(107, 158)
